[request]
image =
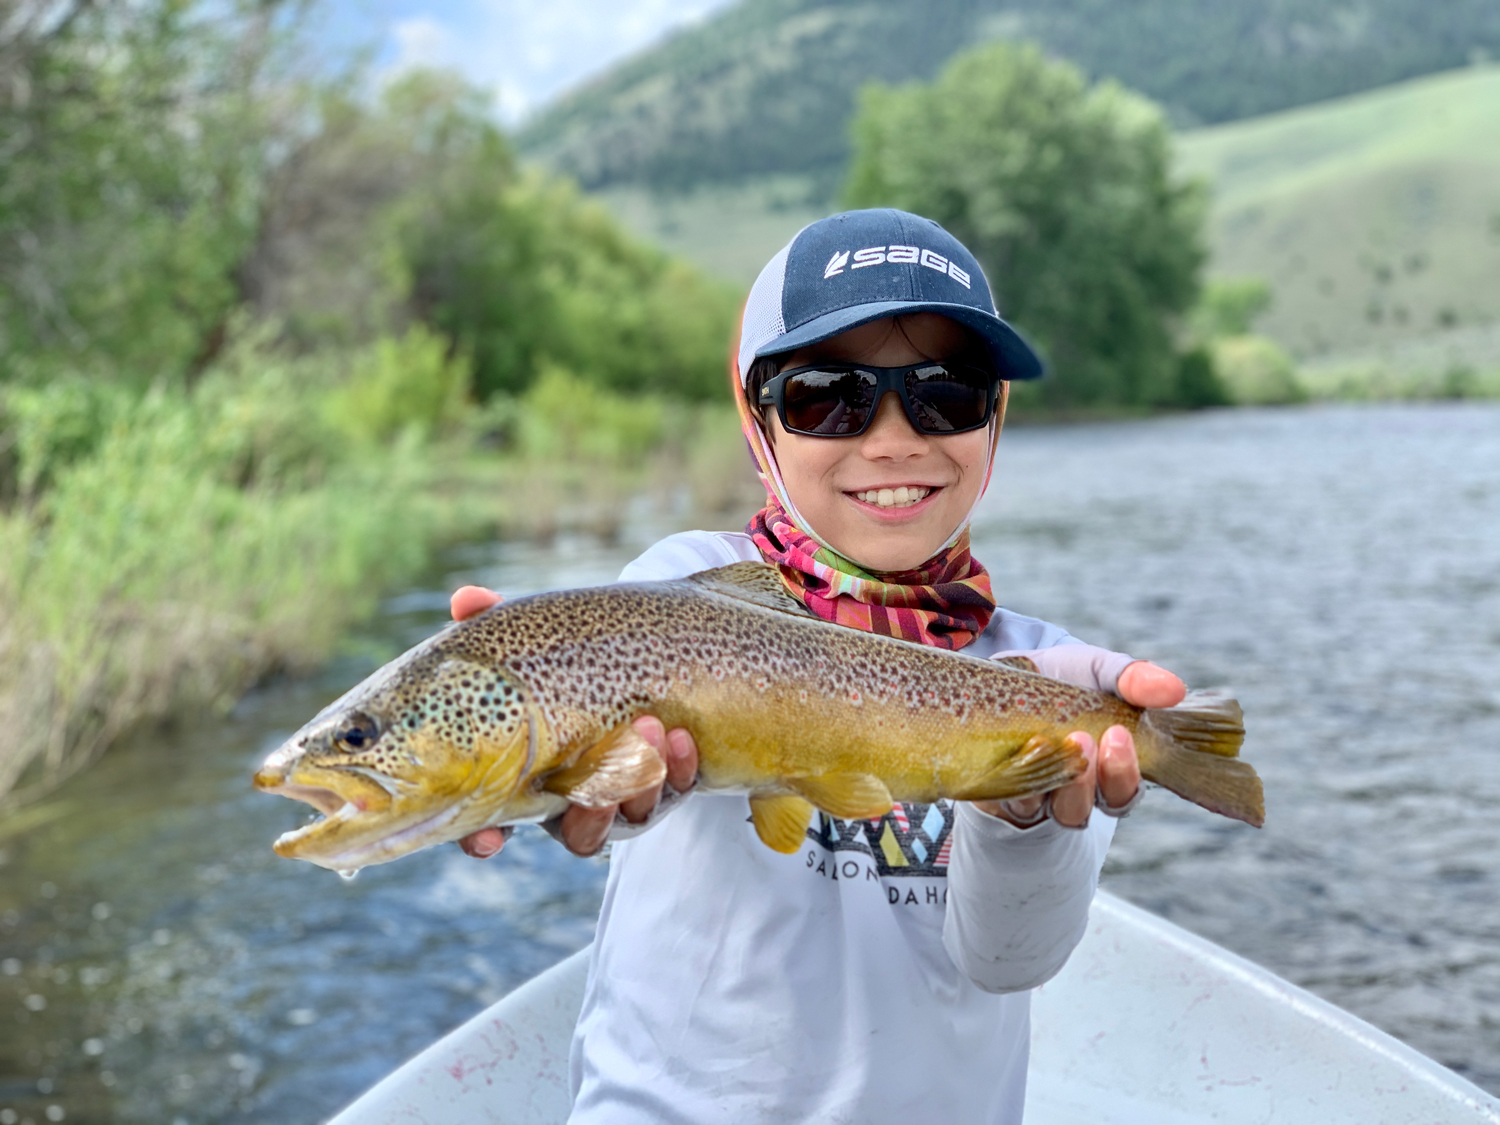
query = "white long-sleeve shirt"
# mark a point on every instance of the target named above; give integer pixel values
(880, 974)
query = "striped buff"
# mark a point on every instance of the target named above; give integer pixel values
(945, 603)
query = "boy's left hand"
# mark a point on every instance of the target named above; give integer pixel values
(1113, 771)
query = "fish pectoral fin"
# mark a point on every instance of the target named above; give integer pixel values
(1045, 762)
(618, 767)
(781, 821)
(754, 582)
(850, 796)
(1024, 663)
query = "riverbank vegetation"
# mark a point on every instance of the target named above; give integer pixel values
(266, 340)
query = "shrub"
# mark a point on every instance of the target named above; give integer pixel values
(1256, 371)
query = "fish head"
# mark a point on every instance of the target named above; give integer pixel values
(425, 751)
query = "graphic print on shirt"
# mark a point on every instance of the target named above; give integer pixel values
(911, 839)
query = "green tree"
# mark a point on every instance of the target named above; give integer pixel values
(414, 208)
(134, 143)
(1065, 194)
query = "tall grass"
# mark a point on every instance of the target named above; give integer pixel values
(164, 551)
(161, 552)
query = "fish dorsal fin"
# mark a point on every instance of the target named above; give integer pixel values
(619, 766)
(849, 796)
(781, 821)
(754, 582)
(1024, 663)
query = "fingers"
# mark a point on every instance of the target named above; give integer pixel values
(639, 807)
(1119, 770)
(1147, 685)
(1072, 803)
(585, 830)
(682, 760)
(484, 843)
(467, 601)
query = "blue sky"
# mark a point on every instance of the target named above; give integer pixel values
(525, 51)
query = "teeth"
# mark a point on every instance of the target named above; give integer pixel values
(902, 497)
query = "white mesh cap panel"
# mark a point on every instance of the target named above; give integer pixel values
(763, 322)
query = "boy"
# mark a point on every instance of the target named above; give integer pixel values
(883, 972)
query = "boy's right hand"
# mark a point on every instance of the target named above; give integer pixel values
(584, 830)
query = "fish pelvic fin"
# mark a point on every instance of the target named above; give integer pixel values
(1193, 749)
(1045, 762)
(850, 796)
(754, 582)
(618, 767)
(781, 821)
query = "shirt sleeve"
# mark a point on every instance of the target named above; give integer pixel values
(1018, 899)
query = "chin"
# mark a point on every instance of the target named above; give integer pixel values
(891, 550)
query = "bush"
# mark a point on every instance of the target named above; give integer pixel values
(1256, 371)
(398, 383)
(189, 542)
(1198, 382)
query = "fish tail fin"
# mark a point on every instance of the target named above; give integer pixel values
(1045, 762)
(1193, 750)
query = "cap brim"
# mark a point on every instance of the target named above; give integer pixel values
(1014, 357)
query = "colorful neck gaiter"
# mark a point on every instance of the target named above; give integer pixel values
(946, 602)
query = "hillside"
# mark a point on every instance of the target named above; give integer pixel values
(1376, 218)
(768, 86)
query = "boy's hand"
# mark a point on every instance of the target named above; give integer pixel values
(1113, 771)
(584, 830)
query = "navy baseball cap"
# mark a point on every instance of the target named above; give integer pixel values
(859, 266)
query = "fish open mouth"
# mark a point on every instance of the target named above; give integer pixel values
(302, 843)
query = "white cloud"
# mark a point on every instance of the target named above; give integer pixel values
(529, 52)
(423, 41)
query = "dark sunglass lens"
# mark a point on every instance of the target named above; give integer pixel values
(948, 399)
(828, 403)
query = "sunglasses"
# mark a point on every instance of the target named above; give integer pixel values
(840, 399)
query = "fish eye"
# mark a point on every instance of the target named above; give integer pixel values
(357, 732)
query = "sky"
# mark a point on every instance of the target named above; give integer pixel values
(524, 51)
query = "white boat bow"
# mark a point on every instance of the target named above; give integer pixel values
(1147, 1025)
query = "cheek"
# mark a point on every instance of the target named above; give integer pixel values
(805, 462)
(968, 453)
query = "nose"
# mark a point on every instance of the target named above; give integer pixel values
(270, 776)
(891, 435)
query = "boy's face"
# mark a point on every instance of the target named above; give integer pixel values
(838, 483)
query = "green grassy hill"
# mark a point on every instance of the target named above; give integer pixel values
(1376, 218)
(768, 86)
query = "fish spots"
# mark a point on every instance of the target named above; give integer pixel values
(589, 660)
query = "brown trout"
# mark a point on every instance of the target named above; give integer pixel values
(509, 716)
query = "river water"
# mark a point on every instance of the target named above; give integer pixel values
(1338, 567)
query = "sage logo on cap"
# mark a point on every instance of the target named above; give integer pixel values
(895, 255)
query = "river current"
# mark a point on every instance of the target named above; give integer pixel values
(1339, 568)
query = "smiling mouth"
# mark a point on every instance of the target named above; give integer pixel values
(903, 497)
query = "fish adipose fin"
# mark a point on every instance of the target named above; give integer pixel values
(1044, 762)
(1192, 749)
(757, 583)
(850, 796)
(781, 822)
(618, 767)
